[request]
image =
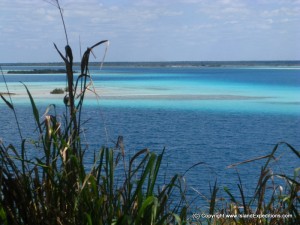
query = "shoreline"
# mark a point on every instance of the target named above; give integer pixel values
(204, 64)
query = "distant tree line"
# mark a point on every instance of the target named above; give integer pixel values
(36, 71)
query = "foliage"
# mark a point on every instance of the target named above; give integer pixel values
(57, 91)
(58, 188)
(55, 189)
(36, 71)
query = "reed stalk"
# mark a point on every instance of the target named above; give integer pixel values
(58, 188)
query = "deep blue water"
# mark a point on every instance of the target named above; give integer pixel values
(217, 132)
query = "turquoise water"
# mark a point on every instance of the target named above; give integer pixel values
(219, 116)
(264, 90)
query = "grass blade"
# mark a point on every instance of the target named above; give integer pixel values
(34, 109)
(7, 102)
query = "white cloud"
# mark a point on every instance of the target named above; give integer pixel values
(292, 12)
(232, 22)
(137, 24)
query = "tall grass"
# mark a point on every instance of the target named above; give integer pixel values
(57, 188)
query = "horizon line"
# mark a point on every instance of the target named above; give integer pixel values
(165, 61)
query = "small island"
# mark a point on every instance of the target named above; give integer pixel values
(57, 91)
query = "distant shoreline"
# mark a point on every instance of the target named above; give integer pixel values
(37, 71)
(7, 93)
(288, 63)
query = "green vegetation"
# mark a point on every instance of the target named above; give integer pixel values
(36, 71)
(57, 91)
(58, 188)
(7, 93)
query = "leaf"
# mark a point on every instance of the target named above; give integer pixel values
(61, 55)
(154, 173)
(99, 43)
(177, 218)
(7, 102)
(229, 193)
(89, 219)
(34, 109)
(142, 211)
(213, 199)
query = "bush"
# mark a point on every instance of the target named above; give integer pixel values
(57, 91)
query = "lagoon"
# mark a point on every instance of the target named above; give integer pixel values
(215, 115)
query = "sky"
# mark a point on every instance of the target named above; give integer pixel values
(151, 30)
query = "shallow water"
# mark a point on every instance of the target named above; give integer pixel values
(218, 116)
(265, 90)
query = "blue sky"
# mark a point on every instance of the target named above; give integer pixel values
(152, 30)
